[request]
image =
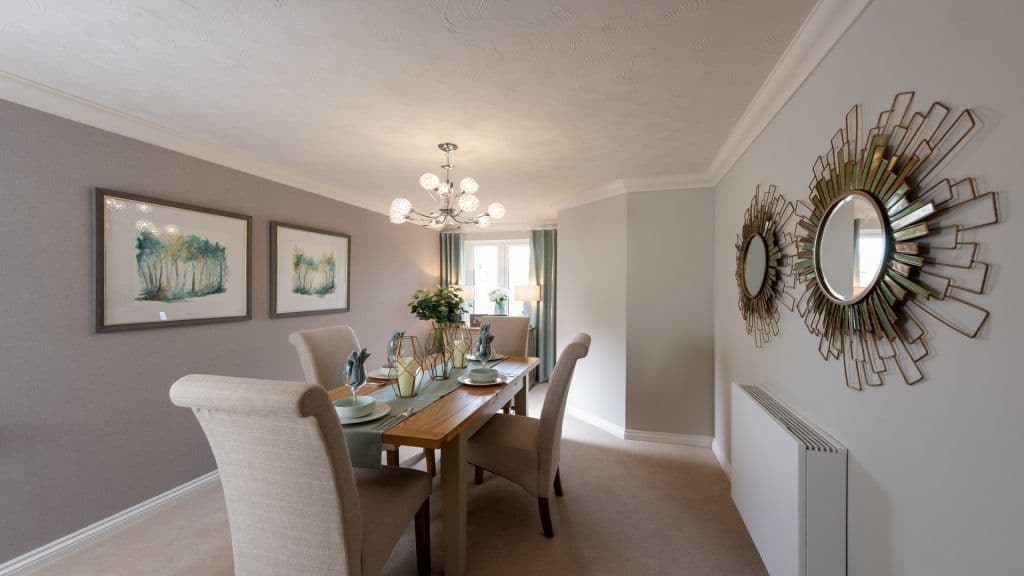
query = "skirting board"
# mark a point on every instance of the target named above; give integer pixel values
(68, 543)
(640, 435)
(716, 447)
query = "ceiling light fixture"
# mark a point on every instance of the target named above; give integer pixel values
(455, 207)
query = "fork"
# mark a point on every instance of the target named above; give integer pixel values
(394, 420)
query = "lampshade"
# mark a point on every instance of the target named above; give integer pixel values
(467, 292)
(527, 293)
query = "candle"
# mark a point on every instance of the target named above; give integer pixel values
(460, 351)
(407, 376)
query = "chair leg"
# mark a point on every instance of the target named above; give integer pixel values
(545, 517)
(507, 409)
(423, 539)
(392, 457)
(558, 482)
(478, 475)
(428, 453)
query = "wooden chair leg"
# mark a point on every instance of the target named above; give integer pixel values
(428, 453)
(558, 482)
(507, 409)
(478, 475)
(392, 457)
(423, 539)
(545, 517)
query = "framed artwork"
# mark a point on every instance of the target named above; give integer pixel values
(162, 263)
(309, 270)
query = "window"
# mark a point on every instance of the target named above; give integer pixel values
(494, 264)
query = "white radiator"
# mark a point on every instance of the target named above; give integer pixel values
(789, 484)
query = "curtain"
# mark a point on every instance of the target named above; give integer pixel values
(451, 258)
(543, 251)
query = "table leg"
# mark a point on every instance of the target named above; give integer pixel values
(520, 397)
(453, 505)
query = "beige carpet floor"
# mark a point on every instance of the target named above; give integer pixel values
(630, 507)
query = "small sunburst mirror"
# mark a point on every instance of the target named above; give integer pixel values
(763, 252)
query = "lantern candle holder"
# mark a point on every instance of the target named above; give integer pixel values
(407, 367)
(461, 344)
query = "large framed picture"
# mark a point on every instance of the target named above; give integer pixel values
(161, 263)
(309, 270)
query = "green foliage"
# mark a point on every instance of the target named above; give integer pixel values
(443, 305)
(175, 266)
(313, 276)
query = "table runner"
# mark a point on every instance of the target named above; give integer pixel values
(364, 440)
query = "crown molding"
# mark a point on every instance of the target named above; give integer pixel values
(639, 184)
(40, 97)
(824, 26)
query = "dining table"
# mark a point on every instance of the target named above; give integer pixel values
(447, 424)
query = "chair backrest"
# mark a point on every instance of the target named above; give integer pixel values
(291, 497)
(323, 352)
(511, 334)
(549, 437)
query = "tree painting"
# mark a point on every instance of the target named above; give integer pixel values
(312, 276)
(174, 267)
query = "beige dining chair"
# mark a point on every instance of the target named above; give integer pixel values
(322, 354)
(295, 503)
(511, 334)
(526, 450)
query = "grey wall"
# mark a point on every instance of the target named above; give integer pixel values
(635, 272)
(86, 429)
(592, 299)
(670, 326)
(935, 468)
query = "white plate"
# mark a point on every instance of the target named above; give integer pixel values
(381, 410)
(381, 374)
(472, 357)
(468, 382)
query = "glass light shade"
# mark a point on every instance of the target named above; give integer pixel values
(401, 207)
(444, 188)
(429, 181)
(483, 221)
(469, 186)
(468, 202)
(496, 210)
(397, 218)
(526, 293)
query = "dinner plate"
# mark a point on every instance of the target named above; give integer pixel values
(472, 357)
(381, 410)
(469, 382)
(381, 374)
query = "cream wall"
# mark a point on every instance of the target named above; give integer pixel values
(634, 272)
(592, 299)
(86, 427)
(935, 468)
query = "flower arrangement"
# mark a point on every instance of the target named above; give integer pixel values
(499, 295)
(443, 305)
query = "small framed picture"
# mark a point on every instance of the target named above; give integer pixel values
(309, 270)
(475, 320)
(161, 263)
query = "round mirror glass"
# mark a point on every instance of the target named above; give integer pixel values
(851, 247)
(755, 265)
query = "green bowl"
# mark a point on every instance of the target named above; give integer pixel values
(355, 406)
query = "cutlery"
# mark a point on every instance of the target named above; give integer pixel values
(389, 422)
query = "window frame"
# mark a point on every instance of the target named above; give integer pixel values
(503, 244)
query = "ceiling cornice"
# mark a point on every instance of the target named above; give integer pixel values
(824, 26)
(34, 95)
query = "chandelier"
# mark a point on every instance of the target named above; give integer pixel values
(455, 207)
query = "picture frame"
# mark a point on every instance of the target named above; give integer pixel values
(162, 263)
(310, 270)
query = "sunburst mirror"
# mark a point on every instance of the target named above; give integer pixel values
(884, 240)
(763, 254)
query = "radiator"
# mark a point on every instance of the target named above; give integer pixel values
(789, 484)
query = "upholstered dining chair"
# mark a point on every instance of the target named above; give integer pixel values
(295, 503)
(526, 450)
(511, 334)
(322, 354)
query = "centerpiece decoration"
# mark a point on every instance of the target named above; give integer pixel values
(408, 359)
(461, 340)
(500, 298)
(442, 307)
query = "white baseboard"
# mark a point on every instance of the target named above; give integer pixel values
(68, 543)
(697, 440)
(716, 447)
(606, 425)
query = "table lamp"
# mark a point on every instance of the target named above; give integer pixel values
(526, 294)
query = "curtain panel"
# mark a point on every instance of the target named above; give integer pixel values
(451, 258)
(543, 250)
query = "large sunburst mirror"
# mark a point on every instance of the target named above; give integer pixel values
(763, 257)
(884, 240)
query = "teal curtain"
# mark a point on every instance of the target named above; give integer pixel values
(544, 253)
(451, 258)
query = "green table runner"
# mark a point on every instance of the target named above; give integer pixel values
(364, 440)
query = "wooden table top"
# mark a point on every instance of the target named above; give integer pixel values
(435, 425)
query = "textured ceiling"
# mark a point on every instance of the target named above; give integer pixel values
(547, 99)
